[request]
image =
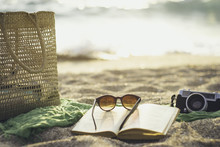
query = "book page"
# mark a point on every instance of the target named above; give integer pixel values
(105, 121)
(152, 117)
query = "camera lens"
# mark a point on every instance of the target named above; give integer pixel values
(196, 102)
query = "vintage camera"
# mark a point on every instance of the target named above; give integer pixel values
(188, 101)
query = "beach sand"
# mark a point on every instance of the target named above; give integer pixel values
(155, 79)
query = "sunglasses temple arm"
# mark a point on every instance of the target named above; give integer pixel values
(132, 110)
(93, 107)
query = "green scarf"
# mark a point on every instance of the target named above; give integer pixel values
(39, 119)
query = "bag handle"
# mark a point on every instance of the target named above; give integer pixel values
(15, 57)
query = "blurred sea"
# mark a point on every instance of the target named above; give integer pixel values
(112, 29)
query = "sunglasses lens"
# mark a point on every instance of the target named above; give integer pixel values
(129, 101)
(107, 103)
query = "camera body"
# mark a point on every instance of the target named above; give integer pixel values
(188, 101)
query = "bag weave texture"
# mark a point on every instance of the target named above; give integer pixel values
(28, 62)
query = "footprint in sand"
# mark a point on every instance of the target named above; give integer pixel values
(172, 87)
(196, 82)
(89, 91)
(114, 88)
(146, 89)
(214, 87)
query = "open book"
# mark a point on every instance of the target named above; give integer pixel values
(149, 121)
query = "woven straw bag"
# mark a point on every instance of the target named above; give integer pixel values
(28, 62)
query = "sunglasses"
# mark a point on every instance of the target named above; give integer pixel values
(108, 103)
